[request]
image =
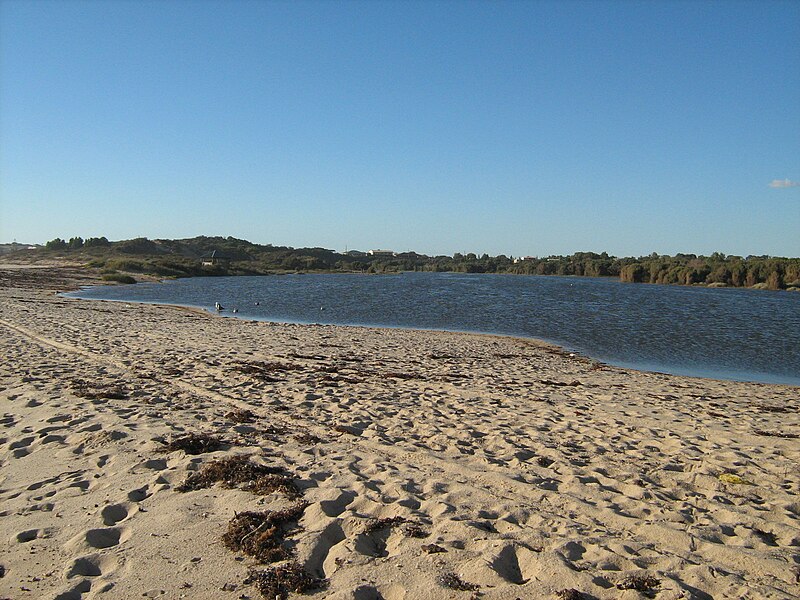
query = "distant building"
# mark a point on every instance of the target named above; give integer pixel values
(355, 253)
(524, 259)
(381, 253)
(215, 259)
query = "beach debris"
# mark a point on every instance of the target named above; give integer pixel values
(193, 443)
(776, 409)
(94, 391)
(378, 524)
(573, 383)
(572, 594)
(403, 375)
(240, 470)
(269, 484)
(307, 356)
(454, 582)
(415, 530)
(261, 534)
(241, 415)
(638, 582)
(410, 528)
(263, 367)
(731, 478)
(433, 548)
(349, 429)
(780, 434)
(279, 582)
(307, 438)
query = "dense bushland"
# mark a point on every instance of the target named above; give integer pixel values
(182, 258)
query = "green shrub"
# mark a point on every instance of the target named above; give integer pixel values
(118, 277)
(119, 264)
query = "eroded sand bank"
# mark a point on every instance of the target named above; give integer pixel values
(422, 460)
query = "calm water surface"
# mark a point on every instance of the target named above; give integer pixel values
(722, 333)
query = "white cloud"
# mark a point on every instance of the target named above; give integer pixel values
(783, 183)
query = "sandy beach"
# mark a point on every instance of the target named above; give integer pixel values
(161, 452)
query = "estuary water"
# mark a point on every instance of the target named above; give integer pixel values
(738, 334)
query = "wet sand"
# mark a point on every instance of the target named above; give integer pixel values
(411, 464)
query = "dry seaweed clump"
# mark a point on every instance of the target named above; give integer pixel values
(194, 443)
(95, 391)
(410, 528)
(241, 416)
(232, 471)
(265, 370)
(261, 534)
(454, 582)
(378, 524)
(572, 594)
(780, 434)
(415, 530)
(306, 438)
(640, 583)
(278, 482)
(279, 582)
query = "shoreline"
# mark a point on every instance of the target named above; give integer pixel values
(538, 342)
(422, 459)
(712, 373)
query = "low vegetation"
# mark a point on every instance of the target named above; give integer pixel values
(184, 258)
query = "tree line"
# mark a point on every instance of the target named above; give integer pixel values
(182, 258)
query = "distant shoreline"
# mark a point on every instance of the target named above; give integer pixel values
(214, 256)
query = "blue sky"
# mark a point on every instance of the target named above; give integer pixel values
(500, 127)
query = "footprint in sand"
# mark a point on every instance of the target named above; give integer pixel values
(144, 492)
(514, 563)
(93, 565)
(318, 559)
(28, 536)
(44, 431)
(369, 592)
(8, 420)
(38, 484)
(20, 448)
(106, 537)
(75, 592)
(116, 513)
(59, 418)
(139, 494)
(44, 507)
(336, 506)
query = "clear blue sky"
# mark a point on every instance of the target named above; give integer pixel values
(501, 127)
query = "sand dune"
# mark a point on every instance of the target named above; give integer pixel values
(407, 464)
